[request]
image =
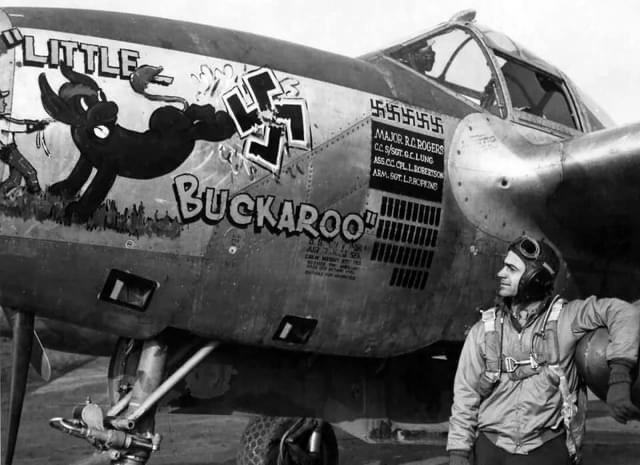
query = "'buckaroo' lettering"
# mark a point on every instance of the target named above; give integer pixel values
(243, 210)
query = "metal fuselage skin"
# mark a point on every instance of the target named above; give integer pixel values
(236, 277)
(343, 196)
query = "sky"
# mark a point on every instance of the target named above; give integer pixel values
(595, 43)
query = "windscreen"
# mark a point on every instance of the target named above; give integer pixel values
(537, 92)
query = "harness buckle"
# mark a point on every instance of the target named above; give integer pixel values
(511, 364)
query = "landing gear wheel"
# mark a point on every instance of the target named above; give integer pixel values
(262, 440)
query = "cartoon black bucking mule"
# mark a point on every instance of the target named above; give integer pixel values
(116, 151)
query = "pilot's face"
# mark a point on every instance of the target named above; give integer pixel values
(425, 58)
(429, 57)
(510, 274)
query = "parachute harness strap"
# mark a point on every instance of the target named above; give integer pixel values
(569, 399)
(493, 343)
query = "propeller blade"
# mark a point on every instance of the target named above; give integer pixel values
(22, 343)
(39, 358)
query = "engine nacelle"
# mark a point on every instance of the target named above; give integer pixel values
(591, 358)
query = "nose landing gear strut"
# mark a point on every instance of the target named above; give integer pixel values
(125, 436)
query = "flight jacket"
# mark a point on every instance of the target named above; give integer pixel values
(519, 414)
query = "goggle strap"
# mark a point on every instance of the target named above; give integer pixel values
(546, 266)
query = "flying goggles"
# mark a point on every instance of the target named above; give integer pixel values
(530, 249)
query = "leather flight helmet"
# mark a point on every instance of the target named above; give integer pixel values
(541, 268)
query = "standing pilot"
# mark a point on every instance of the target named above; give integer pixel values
(518, 398)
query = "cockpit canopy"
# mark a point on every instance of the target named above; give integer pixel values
(496, 74)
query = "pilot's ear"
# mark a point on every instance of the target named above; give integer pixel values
(56, 106)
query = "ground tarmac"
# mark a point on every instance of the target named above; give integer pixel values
(214, 440)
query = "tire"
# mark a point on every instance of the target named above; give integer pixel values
(260, 443)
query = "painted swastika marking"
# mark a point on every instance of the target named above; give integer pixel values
(269, 121)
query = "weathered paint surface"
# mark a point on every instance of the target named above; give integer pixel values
(246, 192)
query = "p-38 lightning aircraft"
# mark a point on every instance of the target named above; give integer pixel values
(272, 229)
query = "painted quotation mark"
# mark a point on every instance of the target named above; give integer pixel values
(370, 219)
(12, 37)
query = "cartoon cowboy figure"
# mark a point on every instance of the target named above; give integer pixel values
(19, 166)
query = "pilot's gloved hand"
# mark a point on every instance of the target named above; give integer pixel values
(619, 394)
(459, 457)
